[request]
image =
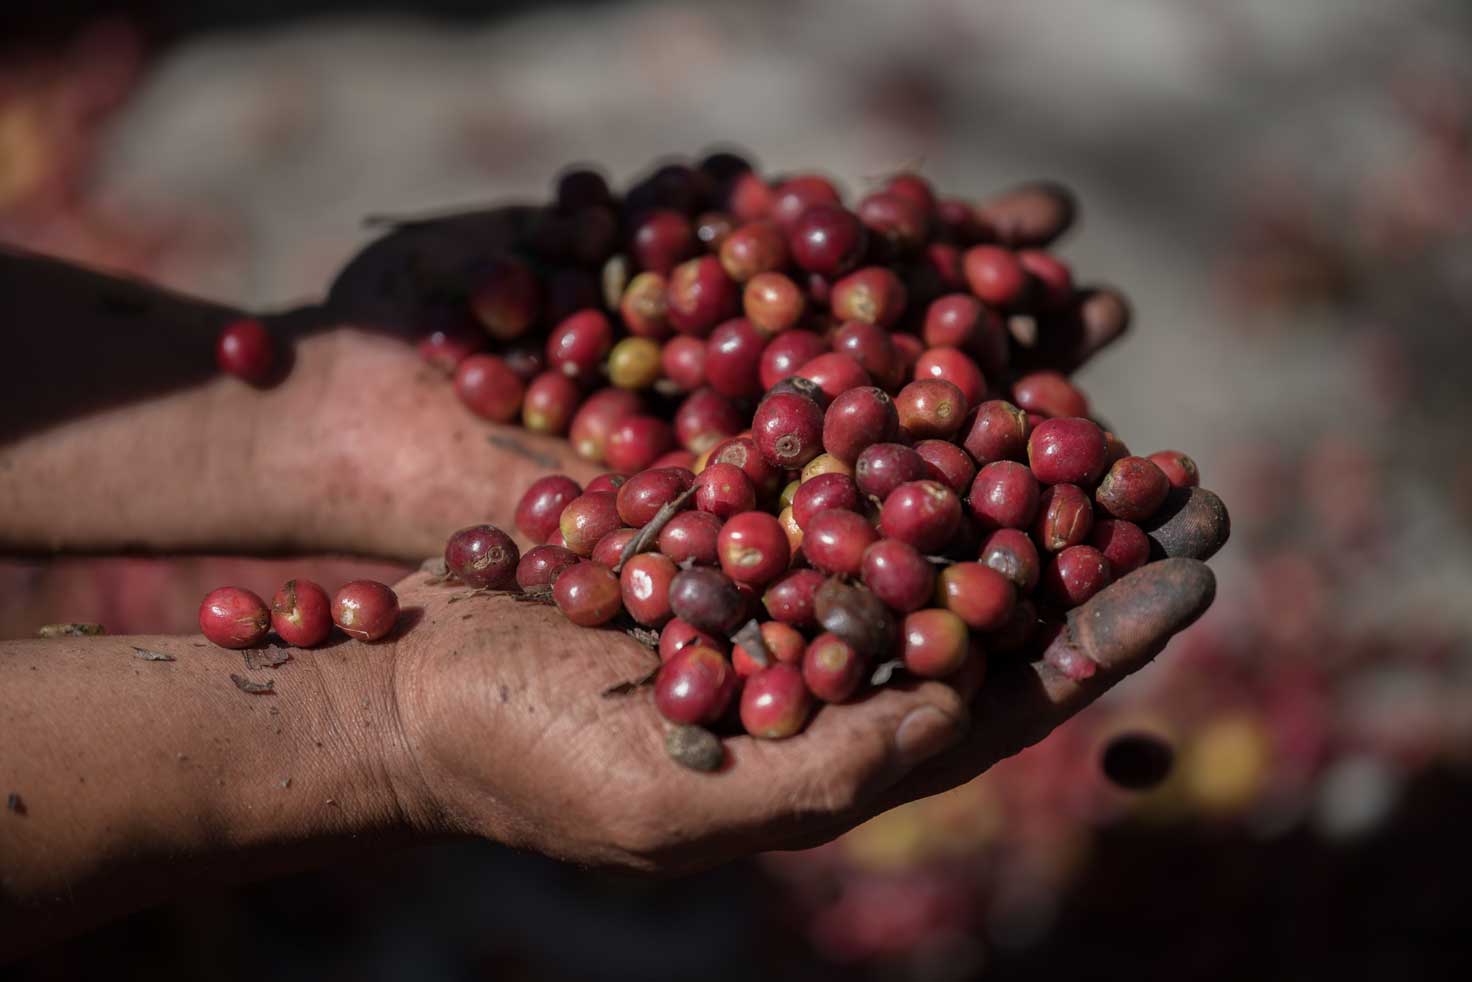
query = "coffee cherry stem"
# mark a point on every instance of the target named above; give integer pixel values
(649, 534)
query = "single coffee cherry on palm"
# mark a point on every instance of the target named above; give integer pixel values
(1133, 489)
(540, 508)
(482, 556)
(791, 599)
(365, 610)
(588, 518)
(1075, 575)
(834, 541)
(1137, 761)
(977, 594)
(827, 239)
(926, 514)
(690, 537)
(644, 585)
(1049, 393)
(1012, 553)
(995, 276)
(489, 388)
(788, 430)
(753, 548)
(1179, 469)
(832, 669)
(1004, 495)
(1065, 518)
(244, 350)
(931, 408)
(873, 295)
(784, 643)
(1123, 543)
(708, 599)
(234, 617)
(899, 575)
(885, 466)
(588, 594)
(775, 702)
(999, 431)
(596, 419)
(1067, 450)
(540, 565)
(678, 635)
(936, 642)
(695, 686)
(858, 419)
(301, 614)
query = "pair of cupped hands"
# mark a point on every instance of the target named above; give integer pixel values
(501, 726)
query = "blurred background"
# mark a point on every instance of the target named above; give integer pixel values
(1283, 188)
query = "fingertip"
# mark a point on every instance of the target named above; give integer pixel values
(1030, 215)
(1127, 624)
(1193, 523)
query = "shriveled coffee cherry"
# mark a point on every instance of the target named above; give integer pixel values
(642, 495)
(540, 565)
(797, 194)
(995, 276)
(926, 514)
(662, 239)
(825, 463)
(489, 388)
(772, 303)
(900, 223)
(947, 463)
(936, 642)
(792, 597)
(754, 248)
(931, 409)
(588, 594)
(826, 492)
(588, 518)
(700, 296)
(1004, 495)
(999, 431)
(1012, 553)
(858, 419)
(775, 702)
(1065, 518)
(1123, 543)
(1075, 575)
(885, 466)
(682, 359)
(610, 548)
(753, 548)
(707, 599)
(365, 610)
(785, 644)
(1181, 471)
(834, 541)
(831, 668)
(644, 585)
(636, 441)
(857, 616)
(827, 239)
(956, 367)
(234, 617)
(835, 373)
(1049, 393)
(606, 482)
(788, 430)
(1137, 761)
(1067, 450)
(596, 418)
(691, 537)
(1133, 489)
(706, 418)
(871, 347)
(482, 556)
(733, 358)
(799, 385)
(244, 350)
(506, 299)
(678, 635)
(577, 346)
(788, 352)
(541, 504)
(899, 575)
(873, 295)
(724, 490)
(550, 402)
(977, 594)
(301, 614)
(695, 686)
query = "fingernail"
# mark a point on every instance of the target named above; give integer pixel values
(923, 733)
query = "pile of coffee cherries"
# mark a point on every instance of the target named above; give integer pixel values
(300, 613)
(832, 450)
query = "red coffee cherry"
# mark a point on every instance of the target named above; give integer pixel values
(365, 610)
(482, 556)
(695, 686)
(588, 594)
(301, 613)
(234, 617)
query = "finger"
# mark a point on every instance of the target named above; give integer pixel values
(1193, 523)
(1030, 215)
(1099, 317)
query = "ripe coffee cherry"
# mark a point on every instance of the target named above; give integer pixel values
(741, 451)
(587, 594)
(834, 541)
(1012, 553)
(489, 388)
(977, 594)
(482, 556)
(954, 321)
(700, 296)
(705, 419)
(831, 668)
(907, 349)
(691, 537)
(644, 587)
(858, 419)
(872, 348)
(695, 686)
(605, 482)
(644, 308)
(753, 548)
(1075, 575)
(931, 409)
(1179, 470)
(899, 575)
(244, 350)
(707, 599)
(636, 441)
(577, 346)
(827, 239)
(445, 347)
(634, 363)
(936, 642)
(947, 463)
(797, 194)
(791, 598)
(733, 356)
(1133, 489)
(234, 617)
(1051, 279)
(683, 362)
(825, 492)
(775, 702)
(550, 402)
(749, 198)
(834, 373)
(756, 247)
(541, 505)
(788, 352)
(773, 303)
(926, 514)
(1123, 543)
(873, 295)
(899, 222)
(785, 644)
(588, 518)
(1067, 450)
(914, 188)
(507, 299)
(824, 463)
(788, 430)
(885, 466)
(596, 418)
(1049, 393)
(1065, 518)
(678, 635)
(540, 565)
(662, 239)
(995, 276)
(956, 367)
(365, 610)
(610, 548)
(1004, 495)
(724, 490)
(301, 613)
(642, 495)
(999, 431)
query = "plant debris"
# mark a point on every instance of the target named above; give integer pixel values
(751, 640)
(536, 595)
(148, 655)
(631, 685)
(257, 659)
(71, 630)
(694, 747)
(244, 684)
(650, 532)
(884, 671)
(648, 638)
(514, 445)
(438, 571)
